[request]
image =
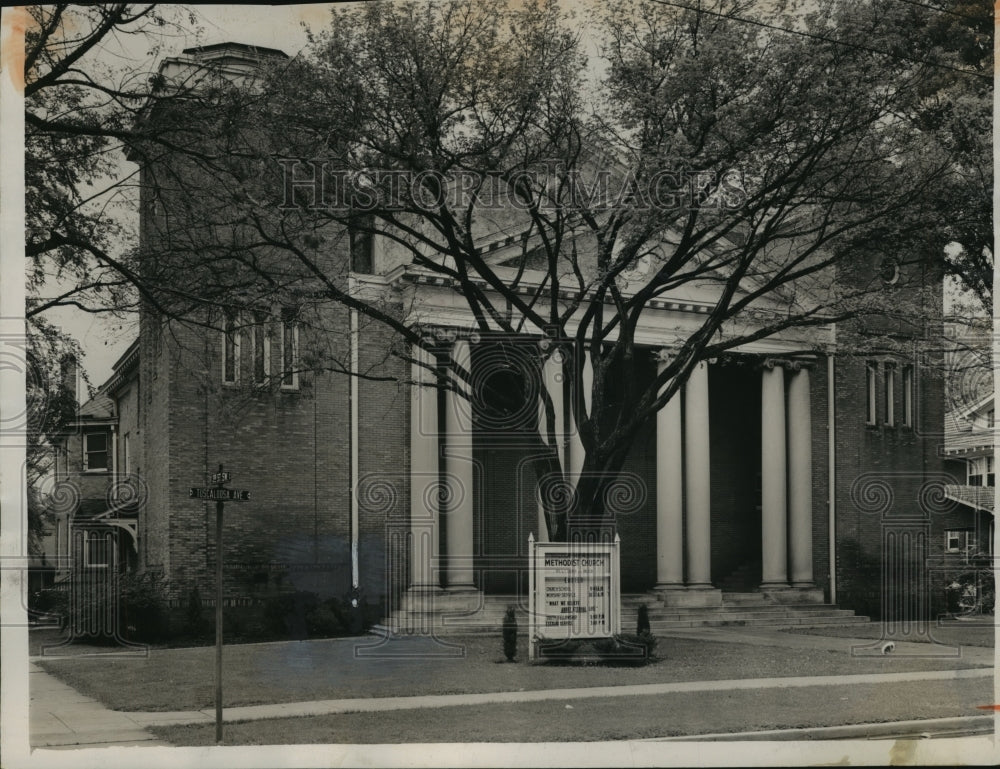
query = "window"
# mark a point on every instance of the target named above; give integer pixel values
(231, 351)
(976, 471)
(890, 395)
(362, 247)
(953, 541)
(871, 370)
(908, 396)
(126, 454)
(96, 550)
(990, 472)
(95, 452)
(990, 418)
(289, 349)
(261, 348)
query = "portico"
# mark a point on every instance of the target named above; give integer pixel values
(446, 501)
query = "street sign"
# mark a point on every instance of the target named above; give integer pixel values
(225, 477)
(202, 492)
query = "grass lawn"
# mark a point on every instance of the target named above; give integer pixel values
(952, 632)
(614, 718)
(182, 679)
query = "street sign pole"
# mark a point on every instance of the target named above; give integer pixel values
(220, 494)
(218, 621)
(218, 616)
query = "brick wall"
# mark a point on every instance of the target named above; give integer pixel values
(383, 459)
(886, 476)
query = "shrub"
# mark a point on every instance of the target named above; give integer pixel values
(144, 607)
(195, 624)
(646, 641)
(627, 649)
(510, 634)
(285, 614)
(326, 620)
(558, 651)
(50, 602)
(642, 621)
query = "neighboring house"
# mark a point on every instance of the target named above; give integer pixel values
(969, 459)
(97, 492)
(773, 474)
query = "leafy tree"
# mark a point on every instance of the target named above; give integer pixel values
(51, 398)
(80, 117)
(777, 161)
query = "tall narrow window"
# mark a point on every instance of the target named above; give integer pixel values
(231, 351)
(289, 349)
(991, 478)
(126, 454)
(871, 370)
(261, 348)
(908, 396)
(95, 451)
(890, 395)
(362, 247)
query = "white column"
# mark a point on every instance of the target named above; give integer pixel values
(552, 381)
(424, 478)
(669, 493)
(696, 455)
(459, 472)
(577, 455)
(800, 479)
(774, 547)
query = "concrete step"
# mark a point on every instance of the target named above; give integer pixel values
(736, 615)
(766, 609)
(739, 610)
(488, 628)
(772, 622)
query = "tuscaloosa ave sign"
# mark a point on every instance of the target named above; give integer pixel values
(574, 591)
(226, 495)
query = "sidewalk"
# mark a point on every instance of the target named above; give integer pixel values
(61, 717)
(338, 707)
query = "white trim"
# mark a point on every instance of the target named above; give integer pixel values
(293, 364)
(871, 393)
(831, 435)
(235, 333)
(889, 380)
(260, 327)
(909, 373)
(975, 407)
(87, 452)
(355, 433)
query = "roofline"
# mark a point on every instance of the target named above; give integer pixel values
(252, 49)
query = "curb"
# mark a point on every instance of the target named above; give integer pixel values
(926, 728)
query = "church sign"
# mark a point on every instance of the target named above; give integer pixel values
(574, 591)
